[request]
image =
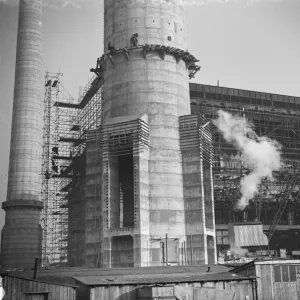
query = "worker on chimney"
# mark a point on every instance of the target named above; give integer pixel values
(134, 40)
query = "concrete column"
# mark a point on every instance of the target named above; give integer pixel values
(194, 207)
(22, 234)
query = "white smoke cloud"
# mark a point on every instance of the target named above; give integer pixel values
(60, 5)
(260, 154)
(242, 252)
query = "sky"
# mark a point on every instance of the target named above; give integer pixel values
(246, 44)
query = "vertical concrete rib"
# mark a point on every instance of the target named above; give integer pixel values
(22, 234)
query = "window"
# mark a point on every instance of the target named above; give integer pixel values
(245, 100)
(285, 273)
(222, 237)
(259, 101)
(235, 99)
(267, 102)
(226, 98)
(211, 96)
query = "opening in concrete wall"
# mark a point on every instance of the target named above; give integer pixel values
(210, 250)
(121, 191)
(126, 184)
(171, 254)
(122, 251)
(165, 251)
(208, 198)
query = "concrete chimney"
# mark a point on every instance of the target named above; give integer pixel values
(22, 233)
(155, 206)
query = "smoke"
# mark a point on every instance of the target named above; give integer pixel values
(239, 251)
(260, 154)
(60, 5)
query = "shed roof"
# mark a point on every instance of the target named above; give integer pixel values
(61, 281)
(278, 261)
(145, 275)
(246, 234)
(81, 271)
(159, 278)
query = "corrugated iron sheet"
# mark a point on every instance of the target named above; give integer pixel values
(245, 235)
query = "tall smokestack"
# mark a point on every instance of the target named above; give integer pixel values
(22, 233)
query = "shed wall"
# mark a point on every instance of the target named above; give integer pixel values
(241, 289)
(268, 289)
(15, 289)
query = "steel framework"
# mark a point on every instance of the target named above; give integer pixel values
(275, 116)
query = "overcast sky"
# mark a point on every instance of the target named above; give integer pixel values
(251, 44)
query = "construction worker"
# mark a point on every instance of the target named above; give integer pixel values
(134, 40)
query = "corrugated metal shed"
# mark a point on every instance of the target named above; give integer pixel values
(278, 279)
(17, 288)
(202, 282)
(210, 290)
(124, 283)
(246, 235)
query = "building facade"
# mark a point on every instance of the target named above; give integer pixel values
(274, 116)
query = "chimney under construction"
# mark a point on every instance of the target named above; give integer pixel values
(157, 199)
(22, 233)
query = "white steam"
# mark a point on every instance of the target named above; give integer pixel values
(260, 154)
(242, 252)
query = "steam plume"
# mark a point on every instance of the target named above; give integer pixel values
(261, 154)
(242, 252)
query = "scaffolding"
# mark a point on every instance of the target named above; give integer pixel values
(274, 116)
(84, 192)
(59, 111)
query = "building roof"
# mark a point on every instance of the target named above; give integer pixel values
(61, 281)
(278, 261)
(159, 278)
(275, 261)
(246, 234)
(161, 275)
(242, 92)
(145, 275)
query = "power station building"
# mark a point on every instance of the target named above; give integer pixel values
(276, 205)
(134, 174)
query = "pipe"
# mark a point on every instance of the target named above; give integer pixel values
(191, 236)
(36, 261)
(166, 249)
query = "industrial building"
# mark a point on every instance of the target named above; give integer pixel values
(84, 141)
(131, 164)
(277, 204)
(134, 173)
